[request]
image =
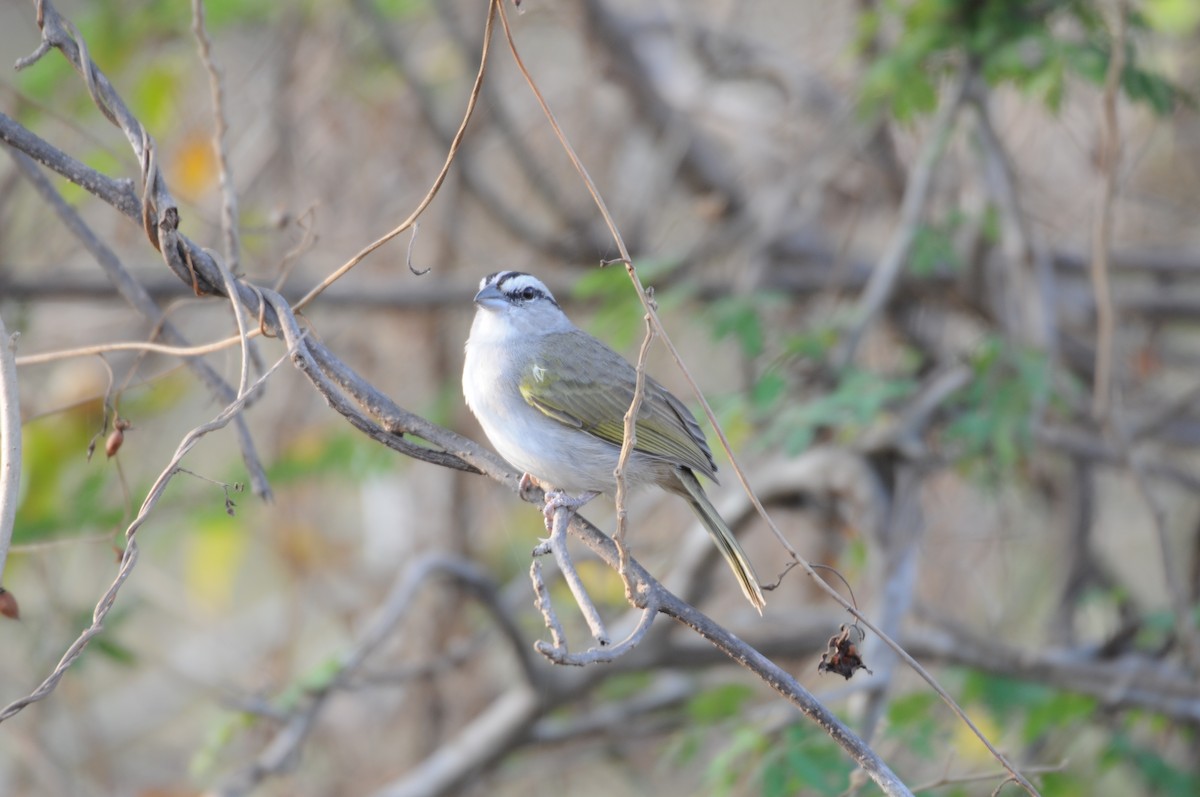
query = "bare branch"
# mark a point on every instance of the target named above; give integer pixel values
(496, 730)
(733, 647)
(229, 202)
(1110, 153)
(455, 143)
(10, 443)
(916, 193)
(140, 300)
(289, 740)
(557, 545)
(130, 556)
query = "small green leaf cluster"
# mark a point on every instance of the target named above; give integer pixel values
(790, 400)
(1035, 45)
(745, 759)
(990, 430)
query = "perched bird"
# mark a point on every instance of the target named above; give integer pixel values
(552, 400)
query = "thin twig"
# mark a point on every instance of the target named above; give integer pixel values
(602, 655)
(746, 656)
(455, 143)
(229, 203)
(542, 602)
(557, 545)
(10, 443)
(628, 443)
(976, 777)
(287, 742)
(139, 298)
(185, 352)
(130, 556)
(883, 280)
(643, 296)
(229, 200)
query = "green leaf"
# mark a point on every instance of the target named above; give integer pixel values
(738, 317)
(768, 390)
(1176, 17)
(1058, 712)
(719, 703)
(728, 766)
(933, 250)
(619, 319)
(803, 761)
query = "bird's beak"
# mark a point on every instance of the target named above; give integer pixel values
(490, 297)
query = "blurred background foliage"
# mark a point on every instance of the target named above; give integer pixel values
(756, 156)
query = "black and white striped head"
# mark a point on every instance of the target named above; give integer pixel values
(521, 300)
(512, 288)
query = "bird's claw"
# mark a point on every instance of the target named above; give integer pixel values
(559, 499)
(526, 485)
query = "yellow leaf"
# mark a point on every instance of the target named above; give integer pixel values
(193, 168)
(1178, 17)
(967, 746)
(214, 555)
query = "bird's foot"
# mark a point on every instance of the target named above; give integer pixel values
(559, 499)
(526, 485)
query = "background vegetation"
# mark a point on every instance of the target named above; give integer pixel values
(934, 263)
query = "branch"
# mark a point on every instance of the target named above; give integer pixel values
(1110, 153)
(916, 193)
(130, 556)
(452, 151)
(949, 112)
(138, 298)
(744, 655)
(10, 443)
(229, 201)
(492, 200)
(198, 268)
(496, 730)
(288, 740)
(557, 546)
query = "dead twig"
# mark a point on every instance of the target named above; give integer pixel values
(10, 442)
(455, 143)
(130, 555)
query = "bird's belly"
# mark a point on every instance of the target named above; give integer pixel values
(557, 455)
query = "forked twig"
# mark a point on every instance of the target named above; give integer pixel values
(557, 545)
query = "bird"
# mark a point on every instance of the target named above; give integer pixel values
(552, 399)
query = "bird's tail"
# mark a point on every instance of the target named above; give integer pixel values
(723, 536)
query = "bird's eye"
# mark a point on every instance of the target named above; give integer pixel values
(529, 293)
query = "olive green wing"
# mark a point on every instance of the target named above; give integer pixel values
(578, 381)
